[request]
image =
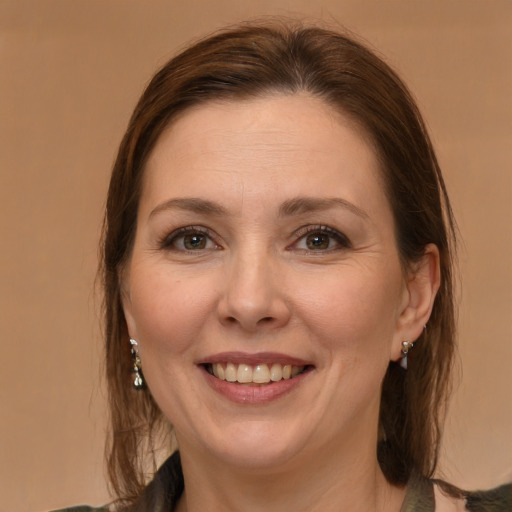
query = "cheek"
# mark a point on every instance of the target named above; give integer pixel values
(169, 312)
(353, 310)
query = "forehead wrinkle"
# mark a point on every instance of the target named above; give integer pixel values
(245, 143)
(228, 158)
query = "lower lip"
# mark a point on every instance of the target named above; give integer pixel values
(257, 394)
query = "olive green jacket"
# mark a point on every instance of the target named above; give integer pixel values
(162, 494)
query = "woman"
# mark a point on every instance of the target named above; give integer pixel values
(277, 265)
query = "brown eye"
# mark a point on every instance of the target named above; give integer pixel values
(317, 241)
(320, 239)
(189, 239)
(194, 241)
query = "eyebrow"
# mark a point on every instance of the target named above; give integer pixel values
(295, 206)
(191, 204)
(299, 205)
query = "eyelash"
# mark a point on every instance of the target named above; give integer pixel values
(169, 241)
(339, 238)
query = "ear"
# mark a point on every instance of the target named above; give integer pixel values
(423, 281)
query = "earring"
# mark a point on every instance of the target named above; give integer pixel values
(138, 381)
(406, 346)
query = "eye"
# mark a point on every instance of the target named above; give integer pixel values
(318, 241)
(321, 239)
(194, 241)
(189, 239)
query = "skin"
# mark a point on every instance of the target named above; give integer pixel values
(257, 283)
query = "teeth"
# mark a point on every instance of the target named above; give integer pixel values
(259, 374)
(219, 372)
(244, 373)
(295, 371)
(276, 372)
(230, 372)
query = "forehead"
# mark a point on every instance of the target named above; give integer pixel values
(287, 143)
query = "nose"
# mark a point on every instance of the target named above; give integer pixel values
(252, 294)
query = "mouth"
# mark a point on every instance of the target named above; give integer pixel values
(254, 379)
(259, 374)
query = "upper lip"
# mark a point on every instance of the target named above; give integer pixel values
(254, 358)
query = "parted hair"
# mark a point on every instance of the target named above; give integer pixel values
(288, 57)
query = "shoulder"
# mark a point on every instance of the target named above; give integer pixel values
(160, 495)
(450, 499)
(427, 495)
(495, 500)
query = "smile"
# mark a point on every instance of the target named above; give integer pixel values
(259, 378)
(261, 373)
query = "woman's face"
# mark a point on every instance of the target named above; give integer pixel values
(264, 287)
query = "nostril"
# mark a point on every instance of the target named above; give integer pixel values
(264, 320)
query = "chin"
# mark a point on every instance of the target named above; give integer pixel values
(267, 460)
(258, 445)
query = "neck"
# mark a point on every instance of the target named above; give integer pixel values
(325, 481)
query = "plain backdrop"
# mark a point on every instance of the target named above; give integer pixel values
(71, 72)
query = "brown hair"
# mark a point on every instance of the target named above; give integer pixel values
(251, 60)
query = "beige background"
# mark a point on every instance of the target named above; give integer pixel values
(71, 72)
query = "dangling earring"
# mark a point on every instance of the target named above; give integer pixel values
(138, 381)
(406, 346)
